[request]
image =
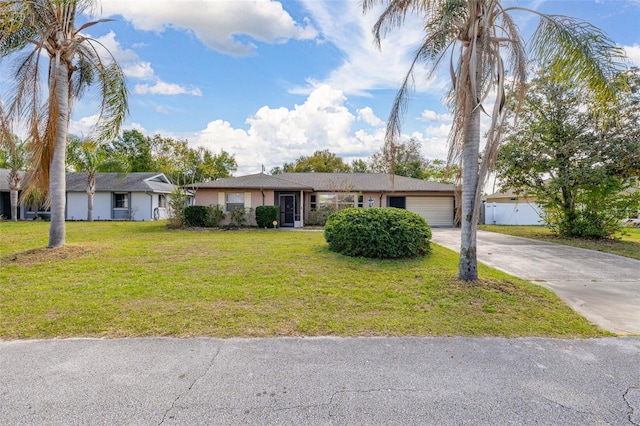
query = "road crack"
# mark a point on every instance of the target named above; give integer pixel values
(191, 386)
(631, 397)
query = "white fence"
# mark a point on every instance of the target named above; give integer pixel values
(513, 214)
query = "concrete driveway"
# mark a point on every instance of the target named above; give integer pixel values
(604, 288)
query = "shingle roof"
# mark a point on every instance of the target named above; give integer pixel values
(113, 182)
(366, 182)
(329, 182)
(256, 181)
(4, 179)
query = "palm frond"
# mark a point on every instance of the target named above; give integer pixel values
(395, 13)
(578, 51)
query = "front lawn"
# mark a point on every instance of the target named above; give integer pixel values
(140, 279)
(626, 244)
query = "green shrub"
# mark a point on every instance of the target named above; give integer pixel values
(238, 217)
(265, 215)
(382, 233)
(203, 216)
(589, 225)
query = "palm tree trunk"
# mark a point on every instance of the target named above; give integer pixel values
(57, 175)
(14, 204)
(468, 265)
(14, 188)
(91, 190)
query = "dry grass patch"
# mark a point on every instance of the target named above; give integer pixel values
(41, 255)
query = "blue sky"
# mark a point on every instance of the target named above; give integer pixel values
(270, 80)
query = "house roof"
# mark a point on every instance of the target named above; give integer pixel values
(4, 179)
(256, 181)
(114, 182)
(369, 182)
(509, 193)
(328, 182)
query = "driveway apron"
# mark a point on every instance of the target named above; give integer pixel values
(604, 288)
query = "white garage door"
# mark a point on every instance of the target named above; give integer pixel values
(438, 211)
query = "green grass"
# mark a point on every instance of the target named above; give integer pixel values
(140, 279)
(626, 244)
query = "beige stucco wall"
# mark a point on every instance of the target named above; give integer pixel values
(253, 199)
(206, 197)
(212, 197)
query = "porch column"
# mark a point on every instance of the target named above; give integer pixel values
(302, 209)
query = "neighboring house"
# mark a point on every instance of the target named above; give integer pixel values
(507, 208)
(306, 198)
(130, 196)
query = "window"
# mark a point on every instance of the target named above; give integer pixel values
(313, 203)
(162, 201)
(360, 200)
(235, 201)
(397, 202)
(121, 201)
(336, 201)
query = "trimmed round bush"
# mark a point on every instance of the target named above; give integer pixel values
(380, 233)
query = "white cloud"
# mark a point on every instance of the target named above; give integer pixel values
(323, 121)
(136, 68)
(429, 115)
(633, 54)
(162, 110)
(368, 116)
(120, 54)
(139, 69)
(365, 67)
(278, 135)
(85, 126)
(217, 24)
(162, 88)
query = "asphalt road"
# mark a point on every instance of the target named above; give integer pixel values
(604, 288)
(321, 381)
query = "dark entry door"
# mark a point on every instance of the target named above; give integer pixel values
(287, 210)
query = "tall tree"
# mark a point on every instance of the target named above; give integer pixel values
(322, 161)
(76, 62)
(13, 156)
(137, 149)
(401, 158)
(209, 166)
(576, 164)
(90, 157)
(478, 35)
(359, 166)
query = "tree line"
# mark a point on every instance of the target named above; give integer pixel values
(406, 160)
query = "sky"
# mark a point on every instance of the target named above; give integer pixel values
(269, 81)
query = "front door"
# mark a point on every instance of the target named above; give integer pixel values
(287, 209)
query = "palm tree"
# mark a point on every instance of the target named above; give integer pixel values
(484, 47)
(14, 159)
(76, 62)
(90, 157)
